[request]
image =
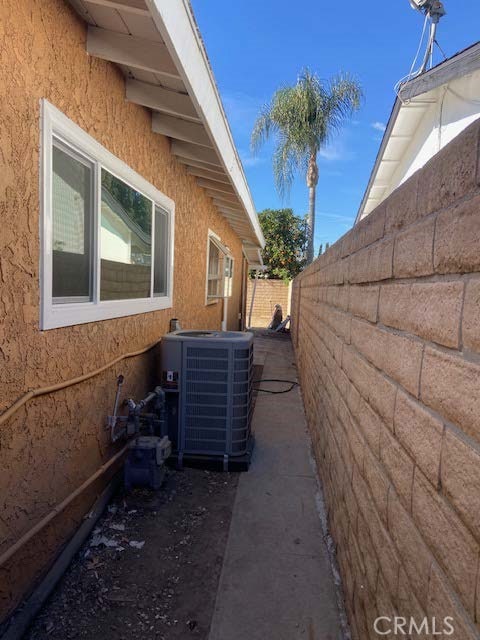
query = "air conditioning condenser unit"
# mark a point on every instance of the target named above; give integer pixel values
(208, 377)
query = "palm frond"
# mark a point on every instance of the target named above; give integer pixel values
(286, 161)
(261, 129)
(302, 118)
(345, 97)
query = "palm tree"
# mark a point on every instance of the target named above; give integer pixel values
(303, 118)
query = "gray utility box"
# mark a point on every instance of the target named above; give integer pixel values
(208, 379)
(145, 463)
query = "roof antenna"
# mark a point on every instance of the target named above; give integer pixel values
(433, 11)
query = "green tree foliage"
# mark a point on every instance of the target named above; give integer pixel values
(135, 204)
(303, 118)
(286, 237)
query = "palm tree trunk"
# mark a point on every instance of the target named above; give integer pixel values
(311, 222)
(312, 179)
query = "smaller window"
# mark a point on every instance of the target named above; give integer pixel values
(215, 271)
(219, 270)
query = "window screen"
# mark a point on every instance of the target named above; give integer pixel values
(72, 215)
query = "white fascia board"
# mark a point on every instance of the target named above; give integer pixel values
(392, 145)
(253, 256)
(177, 27)
(378, 159)
(462, 63)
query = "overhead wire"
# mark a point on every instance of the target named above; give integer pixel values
(440, 49)
(412, 74)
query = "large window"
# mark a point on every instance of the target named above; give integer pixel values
(107, 232)
(219, 270)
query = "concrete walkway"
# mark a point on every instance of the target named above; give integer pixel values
(276, 581)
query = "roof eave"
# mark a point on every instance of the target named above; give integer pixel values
(177, 26)
(460, 64)
(386, 136)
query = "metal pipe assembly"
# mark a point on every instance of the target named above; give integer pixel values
(150, 446)
(116, 458)
(430, 45)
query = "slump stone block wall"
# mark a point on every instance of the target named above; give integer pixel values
(386, 327)
(268, 293)
(55, 442)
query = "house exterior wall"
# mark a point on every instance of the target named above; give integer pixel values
(455, 107)
(55, 442)
(267, 294)
(387, 336)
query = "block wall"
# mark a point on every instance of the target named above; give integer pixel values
(268, 293)
(386, 327)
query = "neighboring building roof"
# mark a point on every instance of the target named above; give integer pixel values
(115, 206)
(429, 112)
(157, 45)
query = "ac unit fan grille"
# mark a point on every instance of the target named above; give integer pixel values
(217, 393)
(200, 352)
(198, 363)
(207, 387)
(206, 410)
(213, 376)
(201, 446)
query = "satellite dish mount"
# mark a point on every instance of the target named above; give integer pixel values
(433, 11)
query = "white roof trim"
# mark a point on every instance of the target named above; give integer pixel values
(177, 27)
(253, 256)
(158, 47)
(457, 66)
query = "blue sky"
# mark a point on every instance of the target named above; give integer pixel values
(255, 46)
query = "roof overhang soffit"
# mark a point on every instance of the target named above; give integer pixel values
(159, 49)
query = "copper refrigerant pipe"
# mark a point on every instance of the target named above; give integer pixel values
(60, 507)
(51, 389)
(34, 393)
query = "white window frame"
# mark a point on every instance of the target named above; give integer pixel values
(54, 124)
(224, 252)
(229, 293)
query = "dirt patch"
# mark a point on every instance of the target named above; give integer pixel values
(150, 568)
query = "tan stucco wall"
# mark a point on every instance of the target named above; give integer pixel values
(55, 442)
